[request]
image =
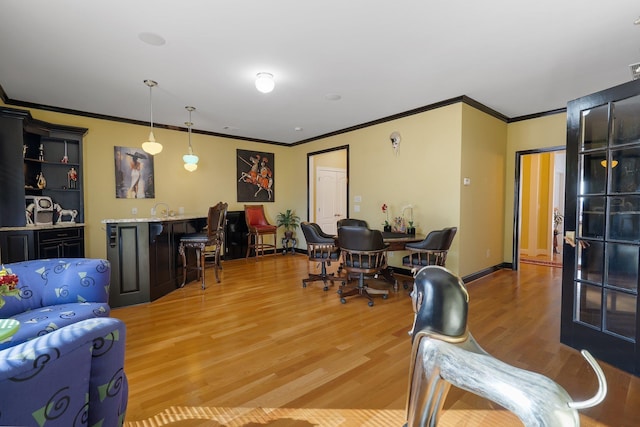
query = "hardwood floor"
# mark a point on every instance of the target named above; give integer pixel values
(258, 348)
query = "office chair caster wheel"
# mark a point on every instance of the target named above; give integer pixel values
(385, 296)
(326, 288)
(304, 284)
(339, 291)
(405, 285)
(370, 303)
(342, 300)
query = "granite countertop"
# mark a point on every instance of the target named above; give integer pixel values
(153, 219)
(43, 227)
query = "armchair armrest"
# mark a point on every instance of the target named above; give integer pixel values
(74, 373)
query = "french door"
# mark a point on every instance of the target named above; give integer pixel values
(602, 224)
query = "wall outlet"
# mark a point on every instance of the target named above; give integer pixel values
(357, 199)
(134, 211)
(356, 208)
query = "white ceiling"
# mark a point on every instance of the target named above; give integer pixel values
(382, 57)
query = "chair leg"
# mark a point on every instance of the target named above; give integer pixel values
(324, 276)
(361, 289)
(181, 251)
(200, 253)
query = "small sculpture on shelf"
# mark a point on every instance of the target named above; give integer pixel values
(41, 153)
(65, 158)
(72, 176)
(65, 215)
(41, 181)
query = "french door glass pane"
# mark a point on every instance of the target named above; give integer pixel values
(588, 304)
(625, 174)
(591, 213)
(622, 266)
(621, 314)
(624, 218)
(590, 265)
(626, 125)
(594, 127)
(594, 173)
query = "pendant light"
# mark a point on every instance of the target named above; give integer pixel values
(190, 159)
(151, 146)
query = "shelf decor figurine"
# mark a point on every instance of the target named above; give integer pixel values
(72, 178)
(41, 152)
(65, 158)
(65, 215)
(41, 181)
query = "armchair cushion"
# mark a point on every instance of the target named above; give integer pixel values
(55, 293)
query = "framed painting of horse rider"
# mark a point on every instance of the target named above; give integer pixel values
(256, 176)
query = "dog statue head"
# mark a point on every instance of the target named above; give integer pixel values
(440, 304)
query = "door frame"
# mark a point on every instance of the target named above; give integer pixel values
(515, 264)
(310, 185)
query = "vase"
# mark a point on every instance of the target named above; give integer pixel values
(387, 228)
(411, 231)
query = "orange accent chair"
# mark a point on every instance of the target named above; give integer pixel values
(258, 227)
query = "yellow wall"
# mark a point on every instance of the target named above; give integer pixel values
(439, 148)
(484, 140)
(543, 132)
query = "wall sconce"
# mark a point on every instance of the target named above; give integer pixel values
(614, 163)
(150, 145)
(190, 159)
(265, 82)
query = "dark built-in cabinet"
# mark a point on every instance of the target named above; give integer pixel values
(235, 237)
(145, 264)
(601, 272)
(39, 159)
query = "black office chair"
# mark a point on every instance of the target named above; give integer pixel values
(321, 247)
(432, 250)
(207, 244)
(352, 222)
(364, 253)
(349, 222)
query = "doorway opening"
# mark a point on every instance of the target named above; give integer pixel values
(327, 187)
(538, 222)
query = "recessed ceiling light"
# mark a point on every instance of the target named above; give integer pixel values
(152, 39)
(637, 21)
(332, 97)
(298, 129)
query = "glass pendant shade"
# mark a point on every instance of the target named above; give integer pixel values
(151, 146)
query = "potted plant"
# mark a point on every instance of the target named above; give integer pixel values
(289, 220)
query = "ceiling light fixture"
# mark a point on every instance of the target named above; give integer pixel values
(150, 145)
(190, 159)
(265, 82)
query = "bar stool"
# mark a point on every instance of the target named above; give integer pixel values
(258, 228)
(205, 244)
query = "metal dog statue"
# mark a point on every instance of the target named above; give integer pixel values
(444, 353)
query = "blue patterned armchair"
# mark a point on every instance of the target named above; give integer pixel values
(55, 293)
(73, 376)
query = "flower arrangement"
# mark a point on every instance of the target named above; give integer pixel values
(8, 283)
(385, 210)
(410, 209)
(557, 218)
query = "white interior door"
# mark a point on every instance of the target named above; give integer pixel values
(331, 196)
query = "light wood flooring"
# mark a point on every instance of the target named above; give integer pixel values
(259, 349)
